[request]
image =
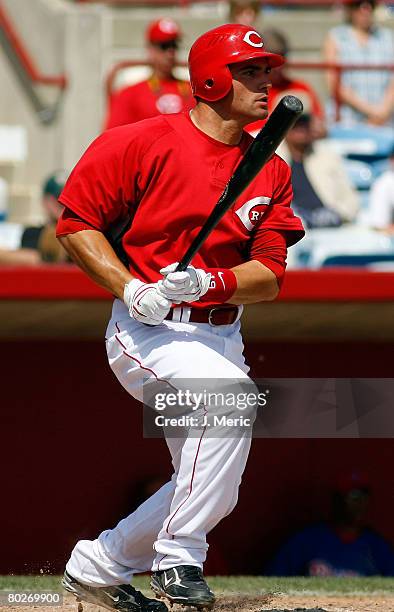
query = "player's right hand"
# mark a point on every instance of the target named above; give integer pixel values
(145, 303)
(187, 286)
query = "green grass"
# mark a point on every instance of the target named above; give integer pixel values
(252, 585)
(50, 583)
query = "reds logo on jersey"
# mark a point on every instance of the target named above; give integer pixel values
(250, 212)
(253, 39)
(169, 103)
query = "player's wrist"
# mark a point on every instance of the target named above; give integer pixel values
(222, 287)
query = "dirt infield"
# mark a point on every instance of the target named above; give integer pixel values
(305, 603)
(245, 603)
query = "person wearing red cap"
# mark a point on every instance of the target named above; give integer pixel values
(159, 180)
(162, 93)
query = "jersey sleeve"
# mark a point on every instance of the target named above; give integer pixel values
(104, 185)
(70, 223)
(269, 248)
(279, 215)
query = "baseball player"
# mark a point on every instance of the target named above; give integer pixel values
(162, 93)
(166, 175)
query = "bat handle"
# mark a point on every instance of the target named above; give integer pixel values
(193, 248)
(185, 261)
(181, 267)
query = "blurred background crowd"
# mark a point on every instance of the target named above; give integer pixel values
(119, 63)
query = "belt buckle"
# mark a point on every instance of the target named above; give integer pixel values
(211, 323)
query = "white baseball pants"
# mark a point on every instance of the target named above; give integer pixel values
(170, 528)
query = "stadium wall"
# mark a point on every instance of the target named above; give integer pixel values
(73, 452)
(73, 455)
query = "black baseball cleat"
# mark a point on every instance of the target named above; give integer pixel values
(184, 585)
(122, 597)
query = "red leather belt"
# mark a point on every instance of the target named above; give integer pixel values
(219, 315)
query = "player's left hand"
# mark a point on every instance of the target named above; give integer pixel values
(187, 286)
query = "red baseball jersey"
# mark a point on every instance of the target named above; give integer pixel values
(148, 99)
(167, 175)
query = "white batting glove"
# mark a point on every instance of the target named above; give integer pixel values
(187, 286)
(145, 303)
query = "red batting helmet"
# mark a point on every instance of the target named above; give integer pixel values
(211, 54)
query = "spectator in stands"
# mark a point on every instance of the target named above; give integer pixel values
(162, 93)
(246, 12)
(381, 204)
(342, 546)
(39, 244)
(366, 95)
(3, 199)
(323, 195)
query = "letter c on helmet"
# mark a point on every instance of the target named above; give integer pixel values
(250, 42)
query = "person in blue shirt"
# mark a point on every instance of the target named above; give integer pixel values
(345, 546)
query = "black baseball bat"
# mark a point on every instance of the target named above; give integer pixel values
(259, 152)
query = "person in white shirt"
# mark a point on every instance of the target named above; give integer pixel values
(381, 204)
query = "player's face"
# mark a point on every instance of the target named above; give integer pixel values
(362, 15)
(162, 58)
(52, 207)
(251, 84)
(299, 135)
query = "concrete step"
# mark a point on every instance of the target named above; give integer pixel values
(25, 204)
(8, 170)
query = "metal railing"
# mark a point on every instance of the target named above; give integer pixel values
(339, 69)
(27, 72)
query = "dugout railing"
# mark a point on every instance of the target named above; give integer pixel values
(28, 73)
(54, 282)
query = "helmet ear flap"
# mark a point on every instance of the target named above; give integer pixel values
(213, 85)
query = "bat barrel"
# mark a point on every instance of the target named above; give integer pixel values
(281, 120)
(293, 104)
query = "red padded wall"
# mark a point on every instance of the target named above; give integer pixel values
(73, 451)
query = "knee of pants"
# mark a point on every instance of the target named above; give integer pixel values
(234, 400)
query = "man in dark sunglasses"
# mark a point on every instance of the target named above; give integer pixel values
(162, 92)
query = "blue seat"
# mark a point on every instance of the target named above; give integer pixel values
(349, 245)
(379, 166)
(364, 259)
(360, 173)
(362, 142)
